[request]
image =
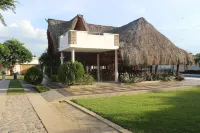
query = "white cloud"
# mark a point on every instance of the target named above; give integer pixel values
(33, 38)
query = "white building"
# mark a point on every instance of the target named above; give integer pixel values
(22, 68)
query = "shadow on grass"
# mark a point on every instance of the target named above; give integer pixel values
(15, 91)
(15, 87)
(182, 117)
(182, 114)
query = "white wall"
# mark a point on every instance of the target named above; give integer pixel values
(87, 41)
(182, 68)
(17, 68)
(63, 42)
(34, 61)
(194, 67)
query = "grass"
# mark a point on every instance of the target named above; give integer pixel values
(21, 77)
(41, 89)
(15, 87)
(167, 112)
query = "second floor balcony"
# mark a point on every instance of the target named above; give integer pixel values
(83, 41)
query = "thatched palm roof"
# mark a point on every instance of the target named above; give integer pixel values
(59, 27)
(140, 42)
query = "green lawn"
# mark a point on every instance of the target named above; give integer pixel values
(15, 87)
(11, 77)
(167, 112)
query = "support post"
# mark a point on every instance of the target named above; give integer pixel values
(61, 57)
(116, 66)
(98, 68)
(73, 55)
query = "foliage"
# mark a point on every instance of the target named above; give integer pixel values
(6, 5)
(13, 51)
(197, 59)
(78, 70)
(33, 76)
(45, 59)
(192, 72)
(124, 78)
(4, 52)
(146, 76)
(179, 77)
(71, 72)
(3, 72)
(87, 79)
(50, 63)
(54, 78)
(166, 112)
(48, 71)
(40, 88)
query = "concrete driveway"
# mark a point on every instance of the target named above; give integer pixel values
(103, 88)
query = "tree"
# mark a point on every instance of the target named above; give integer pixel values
(197, 59)
(45, 60)
(4, 51)
(12, 52)
(50, 63)
(6, 5)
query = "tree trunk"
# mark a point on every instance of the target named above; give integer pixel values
(11, 69)
(177, 69)
(151, 69)
(156, 69)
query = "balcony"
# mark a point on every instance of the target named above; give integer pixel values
(83, 41)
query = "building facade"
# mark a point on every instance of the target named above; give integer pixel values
(21, 68)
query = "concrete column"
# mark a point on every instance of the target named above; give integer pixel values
(116, 66)
(98, 68)
(73, 55)
(61, 57)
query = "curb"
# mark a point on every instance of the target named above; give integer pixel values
(109, 123)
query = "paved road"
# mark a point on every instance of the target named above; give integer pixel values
(192, 75)
(3, 92)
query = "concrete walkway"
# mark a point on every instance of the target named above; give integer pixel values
(53, 120)
(20, 117)
(3, 92)
(31, 113)
(17, 113)
(84, 122)
(63, 118)
(111, 89)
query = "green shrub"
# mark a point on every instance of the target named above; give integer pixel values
(125, 78)
(71, 72)
(33, 76)
(47, 71)
(179, 77)
(40, 88)
(87, 79)
(78, 70)
(54, 78)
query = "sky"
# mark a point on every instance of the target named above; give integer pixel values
(179, 20)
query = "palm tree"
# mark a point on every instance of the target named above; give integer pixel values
(6, 5)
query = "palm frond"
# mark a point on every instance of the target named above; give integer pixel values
(6, 5)
(2, 19)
